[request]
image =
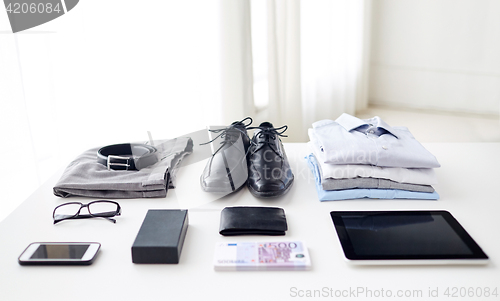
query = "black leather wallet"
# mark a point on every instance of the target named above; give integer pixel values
(252, 220)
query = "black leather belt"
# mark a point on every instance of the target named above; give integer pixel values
(127, 156)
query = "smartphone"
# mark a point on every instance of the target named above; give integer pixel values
(59, 253)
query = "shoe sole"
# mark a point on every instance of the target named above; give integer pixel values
(269, 194)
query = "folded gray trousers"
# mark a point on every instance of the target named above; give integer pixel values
(85, 177)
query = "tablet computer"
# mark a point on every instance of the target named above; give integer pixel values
(405, 237)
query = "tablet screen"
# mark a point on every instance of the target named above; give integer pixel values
(404, 235)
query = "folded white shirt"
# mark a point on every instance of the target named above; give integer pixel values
(350, 140)
(421, 176)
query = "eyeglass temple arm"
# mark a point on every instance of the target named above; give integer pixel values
(85, 216)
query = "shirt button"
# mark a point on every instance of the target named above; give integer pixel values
(384, 147)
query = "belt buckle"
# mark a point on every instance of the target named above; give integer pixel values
(109, 163)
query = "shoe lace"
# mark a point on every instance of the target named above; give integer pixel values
(269, 133)
(229, 134)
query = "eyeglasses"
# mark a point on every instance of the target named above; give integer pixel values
(102, 208)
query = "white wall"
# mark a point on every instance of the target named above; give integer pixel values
(436, 54)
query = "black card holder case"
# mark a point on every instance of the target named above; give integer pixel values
(252, 221)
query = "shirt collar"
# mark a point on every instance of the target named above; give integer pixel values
(350, 123)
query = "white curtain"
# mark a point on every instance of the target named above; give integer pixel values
(283, 42)
(318, 61)
(236, 61)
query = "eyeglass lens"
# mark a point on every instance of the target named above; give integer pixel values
(67, 210)
(103, 209)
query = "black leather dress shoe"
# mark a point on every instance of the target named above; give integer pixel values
(227, 170)
(269, 173)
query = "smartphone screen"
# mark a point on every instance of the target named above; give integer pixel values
(60, 252)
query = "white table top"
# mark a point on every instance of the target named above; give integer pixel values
(469, 183)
